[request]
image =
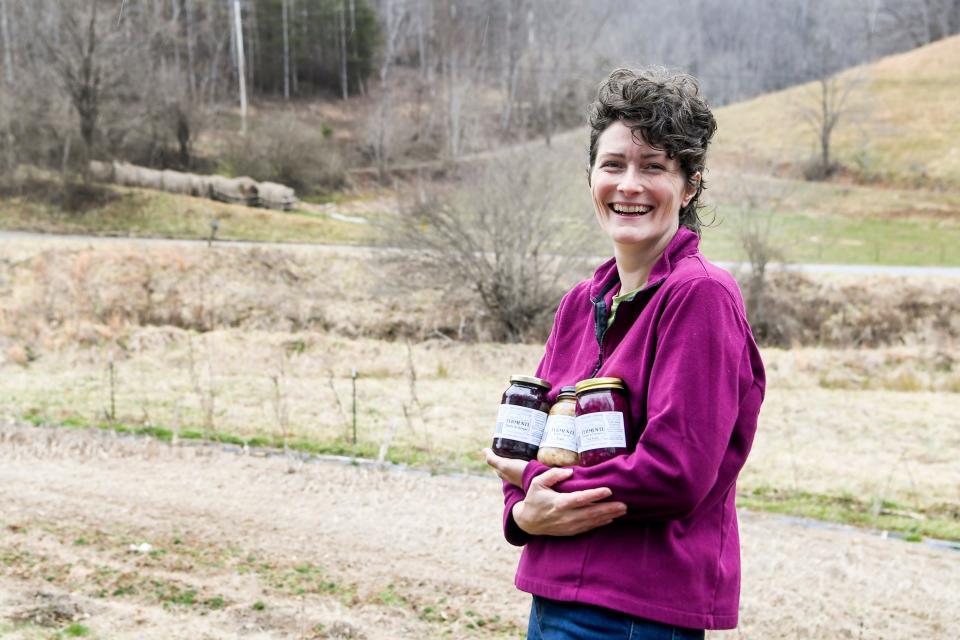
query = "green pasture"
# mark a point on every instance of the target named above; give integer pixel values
(810, 238)
(156, 214)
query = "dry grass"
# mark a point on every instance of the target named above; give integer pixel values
(60, 294)
(865, 311)
(876, 443)
(57, 296)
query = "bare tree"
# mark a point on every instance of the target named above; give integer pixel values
(394, 23)
(286, 49)
(557, 44)
(505, 236)
(241, 76)
(511, 54)
(342, 30)
(190, 36)
(829, 104)
(90, 60)
(757, 231)
(7, 45)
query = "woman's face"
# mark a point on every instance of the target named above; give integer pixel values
(637, 191)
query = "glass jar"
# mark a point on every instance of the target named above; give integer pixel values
(602, 419)
(559, 445)
(522, 416)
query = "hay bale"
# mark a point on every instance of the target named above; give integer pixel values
(241, 190)
(125, 174)
(199, 185)
(175, 181)
(249, 189)
(151, 178)
(220, 188)
(277, 196)
(101, 171)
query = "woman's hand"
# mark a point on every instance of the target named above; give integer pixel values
(545, 512)
(549, 513)
(507, 469)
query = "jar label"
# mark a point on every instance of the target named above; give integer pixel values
(601, 430)
(520, 423)
(560, 433)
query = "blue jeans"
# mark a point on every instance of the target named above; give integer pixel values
(554, 620)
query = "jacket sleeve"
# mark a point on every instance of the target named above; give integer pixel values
(693, 403)
(511, 494)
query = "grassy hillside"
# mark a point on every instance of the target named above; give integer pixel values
(901, 124)
(155, 214)
(895, 201)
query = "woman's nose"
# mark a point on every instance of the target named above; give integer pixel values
(631, 182)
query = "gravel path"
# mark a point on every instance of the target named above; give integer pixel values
(243, 546)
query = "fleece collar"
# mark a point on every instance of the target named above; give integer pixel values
(684, 244)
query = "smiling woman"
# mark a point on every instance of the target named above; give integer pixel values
(644, 545)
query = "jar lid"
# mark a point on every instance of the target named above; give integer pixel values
(567, 392)
(539, 382)
(594, 384)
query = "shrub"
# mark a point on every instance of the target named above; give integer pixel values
(70, 195)
(285, 151)
(498, 241)
(871, 312)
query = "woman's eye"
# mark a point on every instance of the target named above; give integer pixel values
(655, 167)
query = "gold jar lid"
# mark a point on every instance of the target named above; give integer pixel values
(568, 393)
(539, 382)
(594, 384)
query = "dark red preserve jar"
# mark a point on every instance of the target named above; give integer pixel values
(602, 418)
(522, 416)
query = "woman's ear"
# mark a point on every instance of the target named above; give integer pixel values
(693, 185)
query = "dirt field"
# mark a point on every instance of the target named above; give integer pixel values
(245, 546)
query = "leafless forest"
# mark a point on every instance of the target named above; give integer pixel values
(138, 80)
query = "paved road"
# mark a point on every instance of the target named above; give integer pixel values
(862, 269)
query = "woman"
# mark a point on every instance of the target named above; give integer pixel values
(644, 545)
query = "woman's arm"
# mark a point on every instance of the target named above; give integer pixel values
(702, 382)
(543, 511)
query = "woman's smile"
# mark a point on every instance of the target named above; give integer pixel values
(630, 210)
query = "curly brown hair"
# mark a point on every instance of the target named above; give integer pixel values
(669, 112)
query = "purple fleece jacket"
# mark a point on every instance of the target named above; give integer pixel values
(686, 353)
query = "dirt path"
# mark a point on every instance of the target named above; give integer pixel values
(241, 546)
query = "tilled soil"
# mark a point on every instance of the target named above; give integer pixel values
(133, 538)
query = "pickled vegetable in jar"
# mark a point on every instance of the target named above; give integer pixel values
(602, 418)
(522, 417)
(559, 445)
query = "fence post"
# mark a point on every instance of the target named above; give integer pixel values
(113, 396)
(353, 378)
